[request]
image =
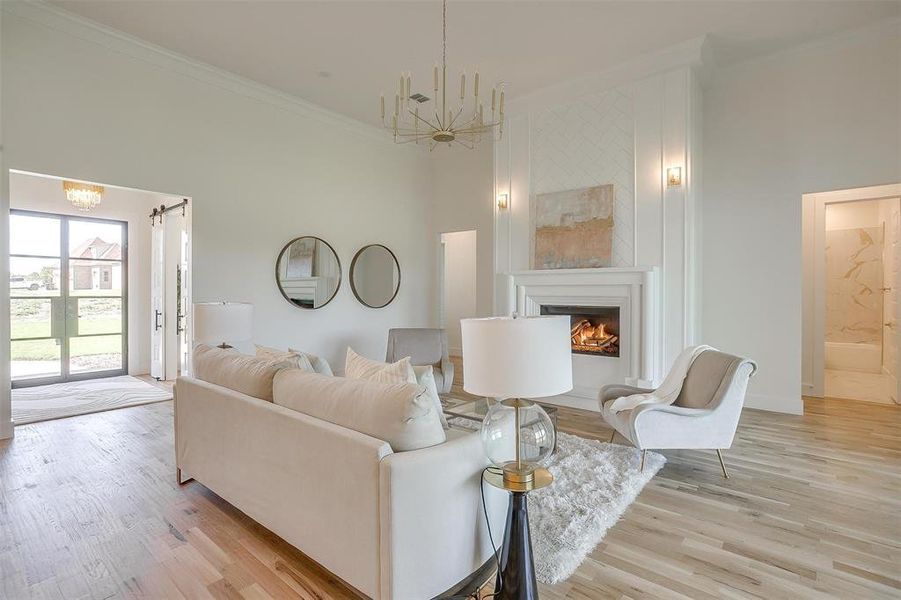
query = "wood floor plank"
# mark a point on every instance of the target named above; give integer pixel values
(89, 508)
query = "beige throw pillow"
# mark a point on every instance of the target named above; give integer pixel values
(298, 360)
(398, 413)
(360, 367)
(425, 377)
(239, 372)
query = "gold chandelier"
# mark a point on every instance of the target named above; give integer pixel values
(83, 196)
(462, 124)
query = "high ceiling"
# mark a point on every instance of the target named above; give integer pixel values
(341, 54)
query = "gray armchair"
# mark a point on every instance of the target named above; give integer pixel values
(704, 416)
(424, 347)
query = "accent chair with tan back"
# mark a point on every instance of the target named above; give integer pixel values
(424, 347)
(704, 416)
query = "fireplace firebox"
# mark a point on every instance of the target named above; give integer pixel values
(595, 329)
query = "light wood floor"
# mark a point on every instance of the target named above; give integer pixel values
(89, 508)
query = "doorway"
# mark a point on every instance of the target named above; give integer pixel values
(852, 244)
(170, 291)
(68, 298)
(457, 284)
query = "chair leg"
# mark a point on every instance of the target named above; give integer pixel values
(719, 455)
(612, 436)
(643, 453)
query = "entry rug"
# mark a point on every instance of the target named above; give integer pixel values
(46, 402)
(594, 484)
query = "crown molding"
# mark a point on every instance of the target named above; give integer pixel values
(691, 53)
(58, 19)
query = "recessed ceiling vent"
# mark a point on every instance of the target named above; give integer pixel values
(420, 98)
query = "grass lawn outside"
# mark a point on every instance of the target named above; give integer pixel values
(80, 346)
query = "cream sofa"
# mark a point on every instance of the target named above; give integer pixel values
(400, 525)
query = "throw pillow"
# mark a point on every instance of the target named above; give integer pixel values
(320, 365)
(297, 360)
(249, 375)
(398, 413)
(360, 367)
(425, 377)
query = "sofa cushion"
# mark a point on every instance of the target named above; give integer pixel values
(360, 367)
(401, 414)
(239, 372)
(298, 360)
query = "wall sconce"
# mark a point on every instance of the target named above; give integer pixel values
(503, 201)
(673, 176)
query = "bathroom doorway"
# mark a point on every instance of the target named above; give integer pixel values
(852, 262)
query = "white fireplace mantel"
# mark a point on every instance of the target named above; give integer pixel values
(632, 289)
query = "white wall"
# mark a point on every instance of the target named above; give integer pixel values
(460, 284)
(824, 116)
(6, 427)
(45, 194)
(260, 167)
(463, 199)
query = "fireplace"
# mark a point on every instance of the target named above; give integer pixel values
(595, 329)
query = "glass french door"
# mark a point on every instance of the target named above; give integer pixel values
(68, 288)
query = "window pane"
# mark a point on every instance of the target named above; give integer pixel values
(33, 235)
(88, 239)
(95, 278)
(34, 358)
(95, 353)
(99, 315)
(30, 318)
(33, 276)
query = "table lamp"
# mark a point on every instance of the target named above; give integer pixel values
(223, 323)
(515, 359)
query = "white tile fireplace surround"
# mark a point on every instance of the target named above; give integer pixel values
(631, 289)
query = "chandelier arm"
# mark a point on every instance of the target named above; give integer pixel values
(454, 119)
(411, 140)
(477, 128)
(467, 146)
(424, 121)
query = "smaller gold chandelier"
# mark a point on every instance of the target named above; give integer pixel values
(465, 123)
(83, 196)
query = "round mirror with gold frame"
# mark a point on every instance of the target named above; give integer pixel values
(308, 272)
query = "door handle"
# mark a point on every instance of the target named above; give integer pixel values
(178, 327)
(156, 320)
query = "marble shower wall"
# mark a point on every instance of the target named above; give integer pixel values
(853, 285)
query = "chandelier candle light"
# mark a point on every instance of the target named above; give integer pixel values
(462, 123)
(83, 196)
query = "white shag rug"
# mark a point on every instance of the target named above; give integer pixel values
(46, 402)
(594, 484)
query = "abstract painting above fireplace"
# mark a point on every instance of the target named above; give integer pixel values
(595, 329)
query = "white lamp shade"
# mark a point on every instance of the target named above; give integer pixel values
(525, 357)
(223, 322)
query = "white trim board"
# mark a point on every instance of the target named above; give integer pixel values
(61, 20)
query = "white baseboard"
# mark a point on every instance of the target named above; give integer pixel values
(807, 389)
(7, 430)
(781, 404)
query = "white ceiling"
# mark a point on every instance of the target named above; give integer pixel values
(342, 54)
